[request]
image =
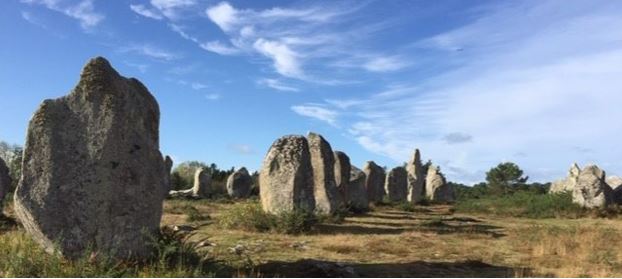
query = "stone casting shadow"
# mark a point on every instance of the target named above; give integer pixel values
(324, 269)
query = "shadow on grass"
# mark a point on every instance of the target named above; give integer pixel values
(7, 223)
(442, 227)
(314, 268)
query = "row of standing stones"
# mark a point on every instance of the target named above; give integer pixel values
(590, 187)
(94, 180)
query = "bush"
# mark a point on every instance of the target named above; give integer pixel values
(251, 217)
(523, 204)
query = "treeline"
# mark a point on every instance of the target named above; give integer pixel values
(12, 156)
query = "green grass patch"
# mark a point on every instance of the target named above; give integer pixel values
(250, 216)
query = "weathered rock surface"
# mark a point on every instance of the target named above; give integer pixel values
(323, 168)
(286, 178)
(168, 165)
(342, 175)
(591, 190)
(5, 182)
(436, 187)
(357, 192)
(202, 184)
(614, 183)
(92, 172)
(568, 183)
(415, 178)
(374, 182)
(396, 184)
(239, 184)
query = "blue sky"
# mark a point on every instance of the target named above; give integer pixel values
(470, 83)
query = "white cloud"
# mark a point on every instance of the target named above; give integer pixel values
(179, 30)
(243, 149)
(220, 48)
(32, 19)
(146, 12)
(212, 97)
(385, 64)
(138, 66)
(277, 84)
(170, 8)
(198, 86)
(223, 14)
(150, 51)
(83, 11)
(285, 60)
(317, 112)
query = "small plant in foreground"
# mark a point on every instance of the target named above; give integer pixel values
(251, 217)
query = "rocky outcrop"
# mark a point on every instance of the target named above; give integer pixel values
(92, 172)
(436, 187)
(239, 184)
(396, 184)
(591, 189)
(342, 175)
(568, 183)
(374, 182)
(415, 178)
(286, 178)
(5, 182)
(323, 169)
(357, 199)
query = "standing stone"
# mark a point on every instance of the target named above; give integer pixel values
(568, 183)
(396, 184)
(357, 192)
(5, 182)
(374, 182)
(415, 178)
(614, 183)
(202, 184)
(591, 190)
(286, 178)
(342, 175)
(436, 187)
(168, 165)
(323, 168)
(92, 172)
(239, 184)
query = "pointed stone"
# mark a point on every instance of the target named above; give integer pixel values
(92, 172)
(286, 179)
(416, 178)
(374, 182)
(568, 183)
(436, 187)
(342, 175)
(239, 184)
(357, 199)
(323, 168)
(591, 190)
(396, 184)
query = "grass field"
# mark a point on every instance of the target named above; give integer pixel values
(430, 241)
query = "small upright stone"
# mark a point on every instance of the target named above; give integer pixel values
(202, 184)
(92, 172)
(436, 187)
(416, 178)
(168, 165)
(396, 184)
(591, 190)
(374, 182)
(286, 179)
(568, 183)
(5, 182)
(323, 168)
(357, 193)
(342, 175)
(239, 184)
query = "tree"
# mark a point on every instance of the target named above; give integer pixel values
(505, 178)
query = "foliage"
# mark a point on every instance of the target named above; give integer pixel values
(251, 217)
(523, 204)
(505, 178)
(12, 155)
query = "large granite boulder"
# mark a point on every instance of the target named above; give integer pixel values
(591, 190)
(202, 187)
(286, 178)
(5, 182)
(396, 184)
(323, 168)
(342, 175)
(92, 172)
(239, 184)
(436, 187)
(374, 182)
(357, 199)
(568, 183)
(415, 178)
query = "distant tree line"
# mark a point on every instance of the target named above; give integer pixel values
(12, 156)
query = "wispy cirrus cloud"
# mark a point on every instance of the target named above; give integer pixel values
(277, 84)
(161, 9)
(149, 51)
(220, 48)
(83, 11)
(318, 112)
(146, 11)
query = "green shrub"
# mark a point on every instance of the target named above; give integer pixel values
(250, 216)
(406, 206)
(523, 204)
